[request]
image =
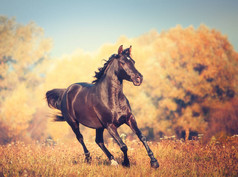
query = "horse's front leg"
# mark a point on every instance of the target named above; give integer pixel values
(113, 132)
(133, 125)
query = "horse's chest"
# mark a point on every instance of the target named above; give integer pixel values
(120, 114)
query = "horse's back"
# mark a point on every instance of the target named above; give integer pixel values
(76, 88)
(79, 107)
(84, 84)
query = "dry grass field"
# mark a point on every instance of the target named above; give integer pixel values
(176, 158)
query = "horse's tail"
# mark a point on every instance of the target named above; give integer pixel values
(54, 98)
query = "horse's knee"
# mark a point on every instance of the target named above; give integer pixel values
(79, 136)
(124, 148)
(142, 138)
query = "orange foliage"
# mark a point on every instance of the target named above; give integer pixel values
(223, 120)
(22, 49)
(187, 72)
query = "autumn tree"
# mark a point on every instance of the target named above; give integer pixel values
(223, 120)
(186, 73)
(189, 71)
(22, 49)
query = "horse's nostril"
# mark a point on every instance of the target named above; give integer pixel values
(138, 80)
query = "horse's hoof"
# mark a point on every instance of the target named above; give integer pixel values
(88, 159)
(126, 164)
(114, 163)
(154, 163)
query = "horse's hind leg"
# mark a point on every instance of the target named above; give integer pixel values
(75, 128)
(100, 142)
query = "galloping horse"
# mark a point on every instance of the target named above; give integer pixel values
(102, 105)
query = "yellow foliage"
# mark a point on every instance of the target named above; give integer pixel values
(16, 111)
(184, 69)
(168, 63)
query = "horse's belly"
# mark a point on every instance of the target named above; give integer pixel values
(88, 118)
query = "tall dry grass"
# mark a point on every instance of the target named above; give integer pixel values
(176, 158)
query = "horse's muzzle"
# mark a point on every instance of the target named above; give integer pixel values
(137, 80)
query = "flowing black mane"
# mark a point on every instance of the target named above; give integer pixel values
(100, 72)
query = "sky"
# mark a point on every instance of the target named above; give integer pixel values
(88, 24)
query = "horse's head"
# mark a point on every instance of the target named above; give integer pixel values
(127, 68)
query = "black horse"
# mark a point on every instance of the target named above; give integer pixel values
(102, 104)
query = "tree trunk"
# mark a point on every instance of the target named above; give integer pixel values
(186, 133)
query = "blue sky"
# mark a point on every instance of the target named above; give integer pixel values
(88, 24)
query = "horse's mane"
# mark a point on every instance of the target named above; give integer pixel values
(101, 70)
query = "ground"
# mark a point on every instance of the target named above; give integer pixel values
(176, 158)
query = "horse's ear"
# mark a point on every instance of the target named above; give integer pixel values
(120, 50)
(130, 50)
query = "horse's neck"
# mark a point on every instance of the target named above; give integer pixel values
(113, 84)
(114, 91)
(111, 78)
(112, 87)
